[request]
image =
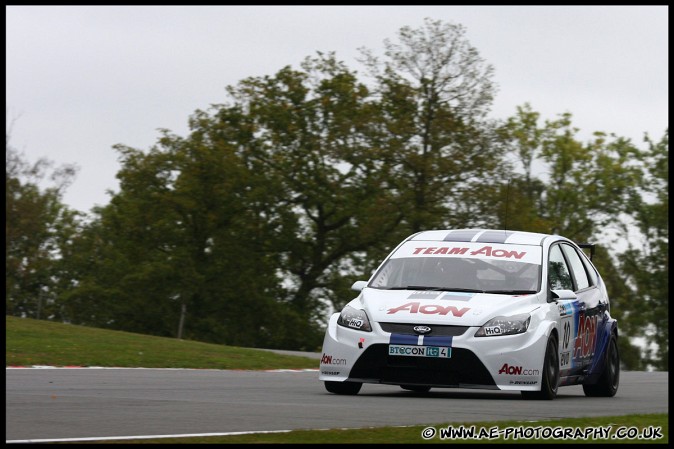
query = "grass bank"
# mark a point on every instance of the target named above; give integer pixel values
(38, 342)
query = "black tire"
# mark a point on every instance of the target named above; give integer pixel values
(608, 382)
(550, 378)
(347, 388)
(416, 388)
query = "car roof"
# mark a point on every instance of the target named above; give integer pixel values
(484, 236)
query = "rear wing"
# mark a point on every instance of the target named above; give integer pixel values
(590, 246)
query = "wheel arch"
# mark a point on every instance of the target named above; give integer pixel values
(610, 329)
(555, 332)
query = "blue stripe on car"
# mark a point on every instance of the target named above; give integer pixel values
(398, 339)
(437, 341)
(495, 236)
(460, 236)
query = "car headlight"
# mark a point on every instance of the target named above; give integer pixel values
(354, 319)
(505, 325)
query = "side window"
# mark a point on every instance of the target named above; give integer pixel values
(577, 267)
(558, 272)
(589, 268)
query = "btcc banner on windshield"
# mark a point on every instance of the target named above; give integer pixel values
(512, 253)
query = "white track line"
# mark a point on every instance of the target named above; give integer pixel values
(302, 370)
(143, 437)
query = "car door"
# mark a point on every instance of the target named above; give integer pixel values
(592, 305)
(579, 317)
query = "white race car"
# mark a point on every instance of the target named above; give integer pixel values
(475, 308)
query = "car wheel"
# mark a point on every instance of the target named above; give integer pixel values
(349, 388)
(607, 385)
(550, 378)
(416, 388)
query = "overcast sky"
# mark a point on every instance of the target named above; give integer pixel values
(82, 79)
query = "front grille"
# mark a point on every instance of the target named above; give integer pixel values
(462, 369)
(438, 330)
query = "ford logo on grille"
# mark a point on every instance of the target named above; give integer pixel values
(422, 329)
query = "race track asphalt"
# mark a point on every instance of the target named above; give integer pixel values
(44, 404)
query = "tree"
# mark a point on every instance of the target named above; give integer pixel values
(313, 138)
(177, 250)
(522, 195)
(645, 263)
(579, 188)
(37, 225)
(434, 91)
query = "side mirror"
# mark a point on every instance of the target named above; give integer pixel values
(561, 294)
(358, 285)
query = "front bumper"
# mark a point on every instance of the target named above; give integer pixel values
(510, 362)
(462, 370)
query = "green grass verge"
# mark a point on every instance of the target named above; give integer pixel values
(38, 342)
(644, 425)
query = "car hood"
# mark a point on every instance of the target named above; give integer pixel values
(440, 307)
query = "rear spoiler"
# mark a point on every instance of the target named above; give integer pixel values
(590, 246)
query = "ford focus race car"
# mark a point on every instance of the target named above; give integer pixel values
(489, 309)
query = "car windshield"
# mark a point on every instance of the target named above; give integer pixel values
(468, 267)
